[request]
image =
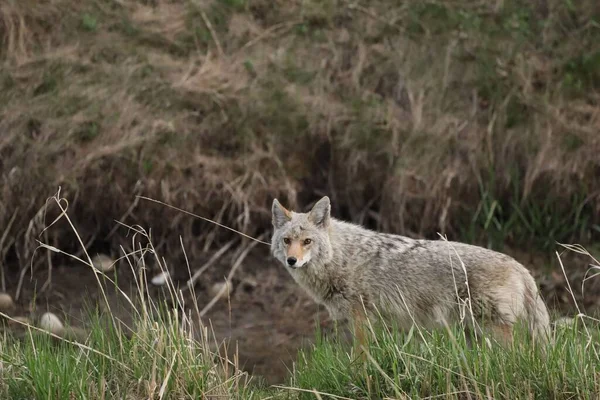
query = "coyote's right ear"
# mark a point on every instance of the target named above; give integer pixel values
(321, 212)
(280, 215)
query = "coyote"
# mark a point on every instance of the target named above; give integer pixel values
(355, 272)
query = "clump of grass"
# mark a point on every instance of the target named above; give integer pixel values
(155, 359)
(442, 364)
(164, 353)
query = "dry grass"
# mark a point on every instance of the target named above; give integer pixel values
(162, 353)
(475, 119)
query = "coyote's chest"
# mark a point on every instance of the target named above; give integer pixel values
(328, 290)
(315, 284)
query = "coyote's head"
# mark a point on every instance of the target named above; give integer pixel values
(300, 239)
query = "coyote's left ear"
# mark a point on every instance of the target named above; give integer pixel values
(321, 213)
(280, 215)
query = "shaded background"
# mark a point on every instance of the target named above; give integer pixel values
(478, 120)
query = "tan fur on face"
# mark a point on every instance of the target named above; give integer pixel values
(299, 250)
(295, 249)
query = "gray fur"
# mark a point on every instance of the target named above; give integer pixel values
(409, 280)
(279, 216)
(321, 213)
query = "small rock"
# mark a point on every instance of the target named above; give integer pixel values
(161, 278)
(6, 302)
(14, 174)
(51, 323)
(221, 289)
(103, 263)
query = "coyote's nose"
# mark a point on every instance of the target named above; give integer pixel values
(291, 261)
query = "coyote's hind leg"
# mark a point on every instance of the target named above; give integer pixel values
(502, 332)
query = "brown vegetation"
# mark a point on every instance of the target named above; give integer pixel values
(476, 119)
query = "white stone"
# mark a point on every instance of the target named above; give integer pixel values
(161, 278)
(221, 289)
(6, 302)
(103, 263)
(51, 323)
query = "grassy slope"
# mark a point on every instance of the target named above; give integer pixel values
(473, 119)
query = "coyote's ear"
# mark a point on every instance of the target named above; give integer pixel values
(280, 215)
(321, 213)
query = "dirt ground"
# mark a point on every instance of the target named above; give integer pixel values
(267, 318)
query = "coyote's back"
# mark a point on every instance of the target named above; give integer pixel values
(351, 270)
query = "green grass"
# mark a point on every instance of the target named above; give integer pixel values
(160, 354)
(157, 356)
(440, 364)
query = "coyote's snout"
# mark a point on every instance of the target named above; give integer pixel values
(354, 271)
(298, 251)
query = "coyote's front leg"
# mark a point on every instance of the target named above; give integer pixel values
(359, 323)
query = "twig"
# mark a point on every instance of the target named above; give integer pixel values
(125, 215)
(269, 31)
(48, 282)
(579, 313)
(373, 15)
(212, 33)
(236, 265)
(2, 252)
(22, 277)
(205, 219)
(89, 262)
(194, 278)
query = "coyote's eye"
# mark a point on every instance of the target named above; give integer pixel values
(307, 241)
(286, 240)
